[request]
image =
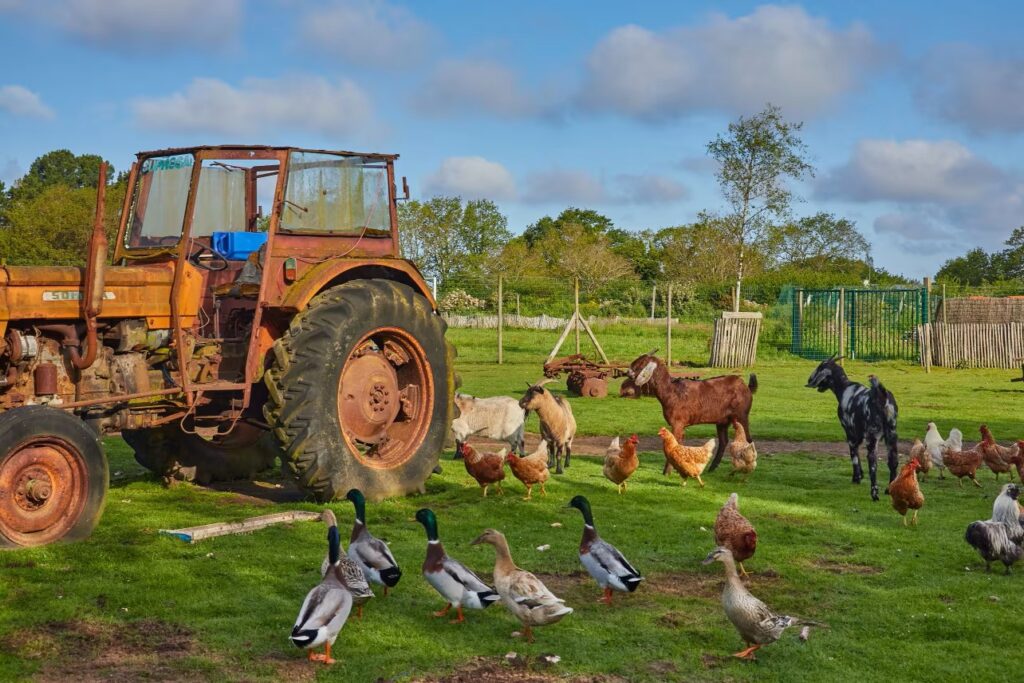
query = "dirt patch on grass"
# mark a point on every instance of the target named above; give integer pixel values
(19, 564)
(520, 670)
(85, 651)
(837, 567)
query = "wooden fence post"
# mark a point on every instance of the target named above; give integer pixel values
(501, 320)
(842, 324)
(576, 307)
(668, 326)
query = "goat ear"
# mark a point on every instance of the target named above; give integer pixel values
(644, 376)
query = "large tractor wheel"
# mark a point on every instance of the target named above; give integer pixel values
(360, 393)
(53, 477)
(172, 454)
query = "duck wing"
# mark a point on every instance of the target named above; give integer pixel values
(373, 552)
(463, 575)
(527, 590)
(611, 560)
(326, 605)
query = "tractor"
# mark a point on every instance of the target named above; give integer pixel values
(218, 339)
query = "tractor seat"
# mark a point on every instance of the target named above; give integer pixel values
(247, 284)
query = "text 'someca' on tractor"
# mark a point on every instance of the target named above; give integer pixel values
(222, 339)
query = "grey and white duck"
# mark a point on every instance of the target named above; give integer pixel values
(601, 559)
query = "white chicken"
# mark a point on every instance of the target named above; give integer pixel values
(936, 445)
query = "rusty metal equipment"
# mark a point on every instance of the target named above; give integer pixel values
(187, 342)
(590, 379)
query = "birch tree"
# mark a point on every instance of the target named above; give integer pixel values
(757, 158)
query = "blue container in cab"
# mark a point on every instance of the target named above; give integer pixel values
(238, 245)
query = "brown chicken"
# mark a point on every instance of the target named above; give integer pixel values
(904, 491)
(486, 468)
(688, 461)
(920, 451)
(963, 464)
(998, 458)
(1020, 460)
(733, 531)
(531, 469)
(742, 453)
(622, 462)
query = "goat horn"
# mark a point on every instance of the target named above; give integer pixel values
(652, 352)
(542, 382)
(528, 384)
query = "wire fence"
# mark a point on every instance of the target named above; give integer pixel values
(864, 323)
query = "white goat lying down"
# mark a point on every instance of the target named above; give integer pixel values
(495, 417)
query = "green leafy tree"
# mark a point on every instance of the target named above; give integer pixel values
(1009, 263)
(54, 226)
(589, 221)
(817, 240)
(60, 167)
(446, 237)
(756, 160)
(973, 268)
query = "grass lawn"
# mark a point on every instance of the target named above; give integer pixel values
(906, 604)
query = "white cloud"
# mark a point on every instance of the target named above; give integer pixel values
(775, 54)
(940, 190)
(20, 101)
(564, 186)
(471, 178)
(650, 189)
(942, 171)
(373, 33)
(980, 91)
(131, 24)
(476, 86)
(305, 103)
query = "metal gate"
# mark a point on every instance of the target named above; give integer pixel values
(862, 324)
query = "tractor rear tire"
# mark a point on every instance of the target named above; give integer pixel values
(53, 477)
(360, 391)
(172, 454)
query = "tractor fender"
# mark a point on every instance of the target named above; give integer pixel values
(330, 273)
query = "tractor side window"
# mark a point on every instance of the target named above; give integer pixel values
(329, 193)
(158, 201)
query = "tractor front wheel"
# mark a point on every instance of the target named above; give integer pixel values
(360, 391)
(53, 477)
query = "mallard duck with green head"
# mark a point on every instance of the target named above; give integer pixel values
(368, 551)
(351, 574)
(457, 584)
(601, 559)
(328, 605)
(524, 594)
(757, 625)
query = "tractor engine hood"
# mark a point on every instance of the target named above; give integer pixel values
(55, 293)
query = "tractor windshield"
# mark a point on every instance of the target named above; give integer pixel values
(158, 201)
(330, 193)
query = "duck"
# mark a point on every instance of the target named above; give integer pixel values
(351, 573)
(368, 551)
(457, 584)
(601, 559)
(525, 596)
(327, 606)
(756, 623)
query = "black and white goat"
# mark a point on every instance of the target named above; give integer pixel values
(866, 414)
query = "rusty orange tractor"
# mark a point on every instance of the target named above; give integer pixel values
(221, 339)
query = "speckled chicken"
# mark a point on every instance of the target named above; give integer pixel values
(621, 462)
(920, 451)
(486, 468)
(531, 469)
(735, 532)
(742, 453)
(998, 458)
(689, 461)
(904, 491)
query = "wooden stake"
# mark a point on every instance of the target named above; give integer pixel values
(668, 326)
(842, 324)
(576, 308)
(198, 533)
(654, 292)
(501, 320)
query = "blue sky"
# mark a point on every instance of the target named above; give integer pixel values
(913, 111)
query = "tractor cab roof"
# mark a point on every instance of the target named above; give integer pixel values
(261, 148)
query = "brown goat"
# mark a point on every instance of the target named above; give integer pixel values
(685, 402)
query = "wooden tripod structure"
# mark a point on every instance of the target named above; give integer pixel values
(576, 322)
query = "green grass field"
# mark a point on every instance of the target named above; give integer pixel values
(901, 603)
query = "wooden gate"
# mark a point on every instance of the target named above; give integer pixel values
(734, 343)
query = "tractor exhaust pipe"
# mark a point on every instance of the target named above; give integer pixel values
(94, 282)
